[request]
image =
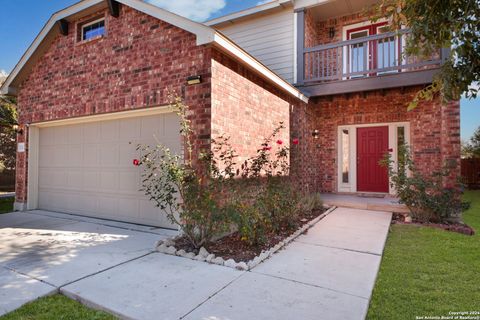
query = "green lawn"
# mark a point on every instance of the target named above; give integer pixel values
(54, 308)
(429, 272)
(6, 205)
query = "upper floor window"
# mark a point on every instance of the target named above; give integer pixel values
(93, 29)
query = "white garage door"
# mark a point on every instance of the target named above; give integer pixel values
(87, 168)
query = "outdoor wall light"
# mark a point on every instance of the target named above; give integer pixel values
(315, 134)
(17, 129)
(194, 80)
(331, 32)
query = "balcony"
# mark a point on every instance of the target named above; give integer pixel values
(361, 64)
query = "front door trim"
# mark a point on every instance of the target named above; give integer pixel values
(351, 185)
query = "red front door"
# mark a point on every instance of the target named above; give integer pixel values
(372, 144)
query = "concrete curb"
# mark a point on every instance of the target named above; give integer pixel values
(168, 247)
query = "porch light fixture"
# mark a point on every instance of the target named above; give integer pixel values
(331, 32)
(315, 134)
(16, 128)
(194, 80)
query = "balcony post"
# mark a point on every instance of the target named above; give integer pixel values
(300, 46)
(444, 55)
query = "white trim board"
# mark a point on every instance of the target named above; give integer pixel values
(351, 186)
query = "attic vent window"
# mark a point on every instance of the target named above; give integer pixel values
(93, 29)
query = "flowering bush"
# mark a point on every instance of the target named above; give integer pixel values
(426, 197)
(204, 199)
(188, 195)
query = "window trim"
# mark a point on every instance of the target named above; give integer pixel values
(84, 25)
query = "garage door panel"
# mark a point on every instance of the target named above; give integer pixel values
(75, 134)
(91, 179)
(46, 156)
(91, 133)
(60, 135)
(151, 127)
(89, 170)
(107, 206)
(128, 181)
(129, 129)
(91, 157)
(74, 155)
(109, 131)
(74, 179)
(109, 155)
(128, 152)
(170, 124)
(128, 208)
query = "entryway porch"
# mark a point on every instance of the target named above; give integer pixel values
(365, 201)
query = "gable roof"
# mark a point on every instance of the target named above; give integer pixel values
(204, 35)
(261, 8)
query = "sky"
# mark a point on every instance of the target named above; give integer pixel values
(21, 20)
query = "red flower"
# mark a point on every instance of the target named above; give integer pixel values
(295, 141)
(267, 148)
(136, 162)
(279, 141)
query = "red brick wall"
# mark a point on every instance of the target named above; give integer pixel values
(133, 66)
(434, 130)
(245, 107)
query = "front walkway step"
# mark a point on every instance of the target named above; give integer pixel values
(365, 203)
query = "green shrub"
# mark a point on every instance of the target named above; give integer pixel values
(190, 195)
(311, 202)
(204, 198)
(427, 197)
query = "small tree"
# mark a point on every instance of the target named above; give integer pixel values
(471, 149)
(8, 118)
(436, 24)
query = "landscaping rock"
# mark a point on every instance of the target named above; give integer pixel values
(199, 258)
(230, 263)
(170, 250)
(264, 255)
(181, 252)
(252, 264)
(241, 266)
(203, 252)
(169, 242)
(210, 257)
(190, 255)
(408, 219)
(219, 261)
(162, 248)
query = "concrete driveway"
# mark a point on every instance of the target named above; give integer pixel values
(41, 251)
(328, 273)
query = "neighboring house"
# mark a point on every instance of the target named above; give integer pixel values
(94, 84)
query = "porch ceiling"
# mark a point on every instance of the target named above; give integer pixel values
(336, 8)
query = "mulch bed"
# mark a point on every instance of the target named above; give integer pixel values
(453, 227)
(232, 247)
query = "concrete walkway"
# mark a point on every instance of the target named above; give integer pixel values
(41, 251)
(328, 273)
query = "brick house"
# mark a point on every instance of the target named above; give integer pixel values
(94, 84)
